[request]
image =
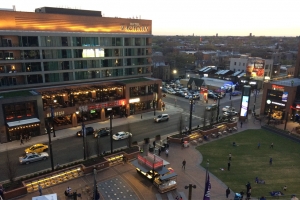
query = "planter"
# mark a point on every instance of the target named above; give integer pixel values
(21, 191)
(210, 131)
(178, 140)
(132, 155)
(99, 166)
(231, 125)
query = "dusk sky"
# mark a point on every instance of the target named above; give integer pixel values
(187, 17)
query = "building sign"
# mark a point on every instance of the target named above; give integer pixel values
(107, 104)
(134, 27)
(255, 68)
(285, 96)
(56, 114)
(298, 106)
(277, 87)
(134, 100)
(277, 103)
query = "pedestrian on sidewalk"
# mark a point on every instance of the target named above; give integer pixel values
(227, 192)
(21, 140)
(271, 161)
(241, 124)
(167, 152)
(159, 151)
(183, 164)
(272, 145)
(258, 145)
(40, 190)
(26, 137)
(229, 156)
(228, 168)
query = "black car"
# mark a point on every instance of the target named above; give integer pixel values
(101, 132)
(88, 131)
(212, 96)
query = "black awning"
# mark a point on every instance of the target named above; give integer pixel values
(141, 167)
(162, 170)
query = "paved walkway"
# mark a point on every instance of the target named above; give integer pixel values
(127, 176)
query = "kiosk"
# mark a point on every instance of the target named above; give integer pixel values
(153, 168)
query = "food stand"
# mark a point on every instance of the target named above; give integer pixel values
(153, 168)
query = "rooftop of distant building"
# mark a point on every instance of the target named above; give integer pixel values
(288, 82)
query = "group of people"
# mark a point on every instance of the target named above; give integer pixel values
(25, 137)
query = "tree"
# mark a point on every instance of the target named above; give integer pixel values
(10, 167)
(180, 124)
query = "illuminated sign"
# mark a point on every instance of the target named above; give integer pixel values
(285, 96)
(244, 107)
(298, 106)
(279, 104)
(56, 114)
(269, 101)
(134, 100)
(277, 87)
(252, 83)
(255, 68)
(135, 27)
(93, 53)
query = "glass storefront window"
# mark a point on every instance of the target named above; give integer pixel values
(106, 41)
(19, 110)
(56, 53)
(32, 79)
(55, 41)
(32, 67)
(30, 54)
(53, 66)
(81, 75)
(29, 41)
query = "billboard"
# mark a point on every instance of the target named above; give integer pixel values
(285, 96)
(255, 68)
(244, 107)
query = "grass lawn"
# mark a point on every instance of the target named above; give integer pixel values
(249, 162)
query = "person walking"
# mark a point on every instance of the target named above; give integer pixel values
(272, 145)
(271, 161)
(258, 145)
(167, 152)
(183, 164)
(154, 144)
(227, 192)
(228, 168)
(40, 190)
(21, 140)
(241, 124)
(159, 151)
(229, 156)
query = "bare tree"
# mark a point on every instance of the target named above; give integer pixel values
(180, 124)
(10, 167)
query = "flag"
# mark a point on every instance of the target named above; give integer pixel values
(207, 188)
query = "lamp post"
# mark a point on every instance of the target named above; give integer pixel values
(95, 183)
(50, 144)
(190, 187)
(255, 94)
(110, 130)
(52, 119)
(82, 109)
(154, 106)
(191, 111)
(218, 108)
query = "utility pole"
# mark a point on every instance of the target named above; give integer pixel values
(50, 144)
(191, 111)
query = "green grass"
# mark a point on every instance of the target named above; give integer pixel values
(249, 162)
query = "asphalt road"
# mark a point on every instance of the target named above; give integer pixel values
(70, 149)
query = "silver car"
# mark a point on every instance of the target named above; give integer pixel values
(32, 157)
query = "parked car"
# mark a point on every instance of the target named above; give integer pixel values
(121, 135)
(102, 132)
(228, 108)
(33, 157)
(162, 117)
(37, 148)
(88, 131)
(211, 107)
(212, 96)
(236, 93)
(230, 113)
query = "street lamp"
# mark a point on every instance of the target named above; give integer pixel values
(50, 144)
(191, 111)
(95, 183)
(190, 186)
(154, 106)
(52, 118)
(110, 130)
(82, 109)
(218, 108)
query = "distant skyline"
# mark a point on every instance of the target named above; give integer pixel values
(188, 17)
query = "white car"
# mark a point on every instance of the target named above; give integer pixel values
(33, 157)
(121, 135)
(230, 113)
(228, 108)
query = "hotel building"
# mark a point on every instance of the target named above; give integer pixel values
(72, 66)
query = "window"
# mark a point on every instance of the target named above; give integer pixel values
(9, 55)
(239, 63)
(6, 43)
(29, 41)
(234, 63)
(243, 64)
